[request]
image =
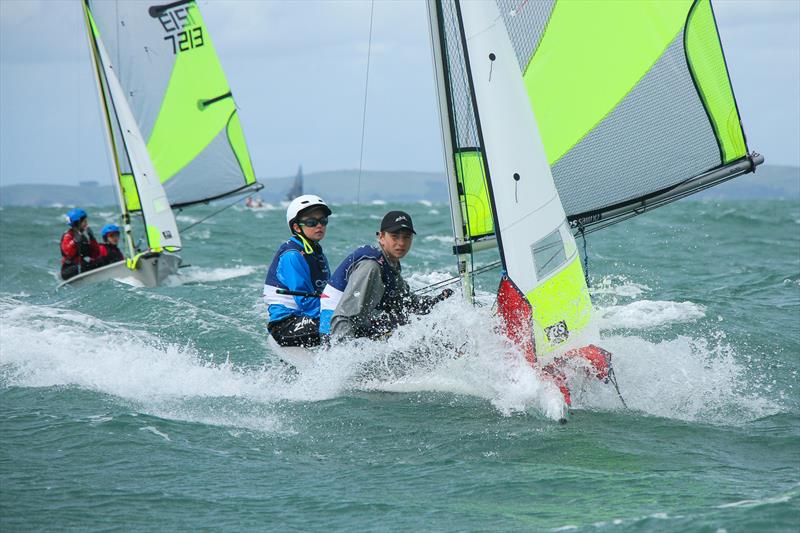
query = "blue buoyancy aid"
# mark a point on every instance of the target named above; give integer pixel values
(332, 294)
(300, 267)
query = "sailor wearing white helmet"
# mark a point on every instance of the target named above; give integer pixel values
(297, 275)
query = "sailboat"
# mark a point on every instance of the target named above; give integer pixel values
(563, 117)
(559, 118)
(172, 126)
(297, 186)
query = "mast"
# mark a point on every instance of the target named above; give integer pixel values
(447, 129)
(93, 53)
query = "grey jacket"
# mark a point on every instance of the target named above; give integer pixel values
(360, 313)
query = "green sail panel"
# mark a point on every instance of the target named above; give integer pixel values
(631, 98)
(476, 208)
(707, 62)
(179, 95)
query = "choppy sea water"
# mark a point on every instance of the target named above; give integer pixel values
(163, 409)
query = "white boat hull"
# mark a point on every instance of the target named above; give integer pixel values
(151, 271)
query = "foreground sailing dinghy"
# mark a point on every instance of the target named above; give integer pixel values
(564, 116)
(173, 128)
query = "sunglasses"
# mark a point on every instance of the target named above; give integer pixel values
(312, 222)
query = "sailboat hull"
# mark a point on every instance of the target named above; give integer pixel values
(151, 271)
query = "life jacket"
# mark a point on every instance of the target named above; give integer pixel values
(283, 305)
(332, 294)
(110, 253)
(71, 252)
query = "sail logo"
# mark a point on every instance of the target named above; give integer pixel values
(181, 29)
(558, 332)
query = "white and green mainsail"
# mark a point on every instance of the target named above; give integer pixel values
(178, 95)
(563, 115)
(130, 152)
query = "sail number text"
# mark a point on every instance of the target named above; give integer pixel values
(186, 39)
(181, 29)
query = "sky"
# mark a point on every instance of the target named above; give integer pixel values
(297, 71)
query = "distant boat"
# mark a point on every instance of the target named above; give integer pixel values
(174, 135)
(297, 186)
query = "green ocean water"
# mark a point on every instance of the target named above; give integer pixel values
(138, 410)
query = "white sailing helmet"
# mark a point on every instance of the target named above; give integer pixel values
(304, 202)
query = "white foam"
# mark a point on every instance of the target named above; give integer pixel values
(446, 239)
(683, 378)
(618, 286)
(645, 314)
(208, 275)
(38, 349)
(155, 431)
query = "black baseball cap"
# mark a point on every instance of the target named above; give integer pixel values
(397, 220)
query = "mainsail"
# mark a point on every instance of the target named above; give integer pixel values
(180, 99)
(130, 153)
(297, 186)
(633, 102)
(558, 115)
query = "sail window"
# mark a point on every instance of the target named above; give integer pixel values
(549, 253)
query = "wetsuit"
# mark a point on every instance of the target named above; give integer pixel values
(298, 266)
(79, 251)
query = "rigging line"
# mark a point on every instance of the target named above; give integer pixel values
(585, 256)
(215, 213)
(364, 112)
(434, 286)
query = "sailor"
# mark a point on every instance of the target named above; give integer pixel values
(109, 251)
(79, 248)
(297, 275)
(367, 296)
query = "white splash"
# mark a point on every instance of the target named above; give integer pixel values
(646, 314)
(209, 275)
(446, 239)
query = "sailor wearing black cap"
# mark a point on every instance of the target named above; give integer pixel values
(367, 295)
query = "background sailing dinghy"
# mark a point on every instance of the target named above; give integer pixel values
(561, 117)
(173, 128)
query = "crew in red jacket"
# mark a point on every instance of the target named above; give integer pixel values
(79, 248)
(109, 251)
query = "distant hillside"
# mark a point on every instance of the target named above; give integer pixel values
(55, 195)
(341, 186)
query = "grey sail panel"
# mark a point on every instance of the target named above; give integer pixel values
(641, 148)
(672, 125)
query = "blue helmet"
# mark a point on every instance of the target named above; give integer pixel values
(75, 215)
(109, 228)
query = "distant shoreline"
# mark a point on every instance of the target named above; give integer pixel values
(341, 187)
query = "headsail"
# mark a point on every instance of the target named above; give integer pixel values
(179, 97)
(633, 101)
